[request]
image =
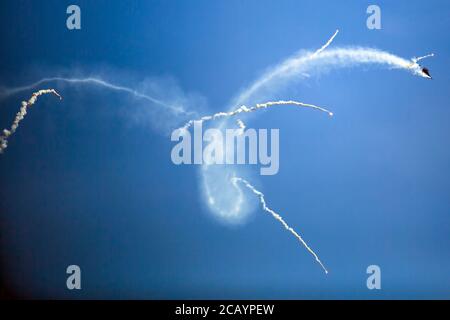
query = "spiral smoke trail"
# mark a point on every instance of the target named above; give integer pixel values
(278, 217)
(21, 115)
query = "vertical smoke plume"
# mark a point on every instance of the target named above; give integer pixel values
(21, 115)
(262, 200)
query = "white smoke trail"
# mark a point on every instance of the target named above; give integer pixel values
(21, 115)
(262, 200)
(245, 109)
(327, 44)
(267, 77)
(424, 57)
(304, 63)
(298, 65)
(176, 109)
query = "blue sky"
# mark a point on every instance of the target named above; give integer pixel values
(83, 183)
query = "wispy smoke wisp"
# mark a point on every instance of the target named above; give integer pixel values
(100, 82)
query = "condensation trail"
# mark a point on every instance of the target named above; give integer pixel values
(245, 109)
(99, 82)
(21, 115)
(262, 200)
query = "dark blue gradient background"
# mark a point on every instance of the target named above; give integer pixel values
(80, 185)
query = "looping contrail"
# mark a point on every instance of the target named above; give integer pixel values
(262, 200)
(245, 109)
(21, 115)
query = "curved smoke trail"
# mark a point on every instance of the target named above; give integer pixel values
(175, 106)
(215, 182)
(300, 64)
(21, 115)
(338, 57)
(262, 200)
(4, 92)
(245, 109)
